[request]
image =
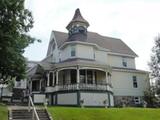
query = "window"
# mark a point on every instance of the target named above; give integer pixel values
(73, 75)
(89, 77)
(35, 85)
(124, 62)
(50, 78)
(136, 100)
(135, 84)
(64, 81)
(94, 56)
(82, 76)
(73, 51)
(54, 80)
(81, 29)
(95, 74)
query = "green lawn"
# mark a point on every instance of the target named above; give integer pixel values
(71, 113)
(3, 112)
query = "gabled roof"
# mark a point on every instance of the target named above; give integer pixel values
(113, 44)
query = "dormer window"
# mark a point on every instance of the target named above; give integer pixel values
(73, 51)
(124, 62)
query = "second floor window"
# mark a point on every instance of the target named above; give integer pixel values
(135, 83)
(124, 62)
(73, 51)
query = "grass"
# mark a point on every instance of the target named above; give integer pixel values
(3, 112)
(72, 113)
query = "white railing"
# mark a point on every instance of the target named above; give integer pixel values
(34, 112)
(81, 86)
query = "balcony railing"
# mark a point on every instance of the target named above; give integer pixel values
(81, 86)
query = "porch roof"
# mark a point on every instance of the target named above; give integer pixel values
(39, 69)
(46, 66)
(81, 62)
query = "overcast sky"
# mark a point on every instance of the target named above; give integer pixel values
(136, 22)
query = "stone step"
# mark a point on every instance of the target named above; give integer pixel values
(23, 114)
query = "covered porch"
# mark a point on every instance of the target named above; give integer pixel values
(78, 78)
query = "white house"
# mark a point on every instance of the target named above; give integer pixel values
(83, 67)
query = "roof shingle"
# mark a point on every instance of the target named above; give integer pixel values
(113, 44)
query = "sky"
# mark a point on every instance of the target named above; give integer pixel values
(136, 22)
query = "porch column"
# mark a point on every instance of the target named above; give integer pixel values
(107, 81)
(30, 86)
(106, 77)
(86, 76)
(78, 80)
(40, 82)
(93, 73)
(53, 79)
(56, 77)
(48, 79)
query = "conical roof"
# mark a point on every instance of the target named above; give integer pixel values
(77, 18)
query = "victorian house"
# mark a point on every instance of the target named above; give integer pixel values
(86, 68)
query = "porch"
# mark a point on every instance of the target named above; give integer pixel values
(78, 79)
(72, 84)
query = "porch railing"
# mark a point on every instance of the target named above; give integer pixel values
(80, 86)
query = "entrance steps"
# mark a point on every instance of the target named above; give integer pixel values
(22, 113)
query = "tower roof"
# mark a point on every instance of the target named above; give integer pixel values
(77, 18)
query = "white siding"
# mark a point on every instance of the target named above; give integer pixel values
(39, 98)
(65, 53)
(123, 84)
(5, 92)
(94, 99)
(116, 61)
(101, 56)
(84, 51)
(67, 99)
(21, 84)
(55, 56)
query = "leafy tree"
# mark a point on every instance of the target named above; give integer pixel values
(15, 23)
(155, 65)
(149, 96)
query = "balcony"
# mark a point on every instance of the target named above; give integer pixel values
(81, 86)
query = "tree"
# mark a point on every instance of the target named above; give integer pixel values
(149, 96)
(155, 65)
(15, 23)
